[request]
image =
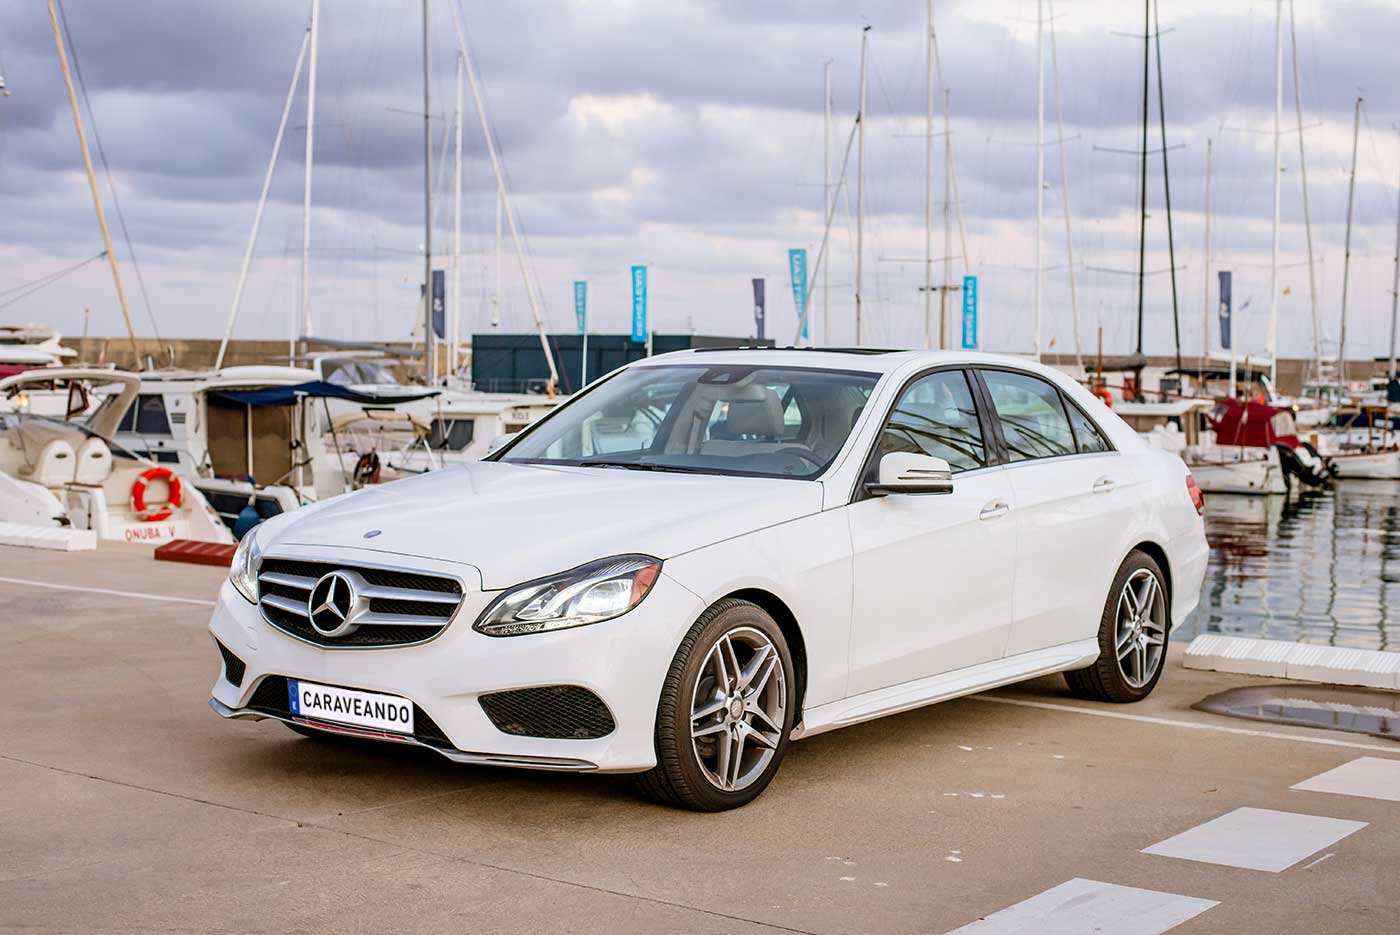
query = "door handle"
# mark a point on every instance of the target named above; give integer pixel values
(1104, 485)
(994, 509)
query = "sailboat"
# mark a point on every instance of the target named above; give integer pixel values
(1370, 452)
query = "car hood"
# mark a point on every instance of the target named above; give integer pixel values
(515, 522)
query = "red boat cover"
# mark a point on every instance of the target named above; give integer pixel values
(1253, 424)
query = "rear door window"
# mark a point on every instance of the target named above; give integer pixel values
(1087, 435)
(1032, 415)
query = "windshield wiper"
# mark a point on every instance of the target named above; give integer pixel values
(644, 466)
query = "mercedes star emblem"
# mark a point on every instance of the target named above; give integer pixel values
(335, 605)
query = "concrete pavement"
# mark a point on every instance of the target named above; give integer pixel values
(128, 805)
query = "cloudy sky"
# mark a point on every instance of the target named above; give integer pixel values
(689, 136)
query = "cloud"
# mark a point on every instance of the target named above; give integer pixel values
(689, 136)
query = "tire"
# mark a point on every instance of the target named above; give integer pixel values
(690, 773)
(1132, 677)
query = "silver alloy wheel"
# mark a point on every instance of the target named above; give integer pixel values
(1140, 635)
(738, 708)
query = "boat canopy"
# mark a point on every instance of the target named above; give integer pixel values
(287, 395)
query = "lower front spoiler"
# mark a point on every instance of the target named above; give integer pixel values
(563, 764)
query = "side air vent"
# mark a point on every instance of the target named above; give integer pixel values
(557, 712)
(233, 666)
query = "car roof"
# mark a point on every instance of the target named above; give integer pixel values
(869, 360)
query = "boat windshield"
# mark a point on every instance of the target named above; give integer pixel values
(28, 432)
(742, 420)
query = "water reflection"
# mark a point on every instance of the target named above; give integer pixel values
(1318, 566)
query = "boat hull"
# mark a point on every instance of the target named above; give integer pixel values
(1221, 470)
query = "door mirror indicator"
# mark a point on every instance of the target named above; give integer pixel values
(904, 473)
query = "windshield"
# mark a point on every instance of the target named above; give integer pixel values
(763, 421)
(354, 372)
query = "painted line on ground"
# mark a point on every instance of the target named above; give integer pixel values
(135, 595)
(1393, 749)
(1367, 776)
(1085, 907)
(1256, 839)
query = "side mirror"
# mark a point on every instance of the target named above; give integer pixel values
(500, 441)
(903, 472)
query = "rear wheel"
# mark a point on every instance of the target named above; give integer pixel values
(1132, 636)
(725, 713)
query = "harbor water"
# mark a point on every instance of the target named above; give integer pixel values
(1313, 566)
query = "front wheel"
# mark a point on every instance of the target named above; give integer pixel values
(725, 713)
(1132, 636)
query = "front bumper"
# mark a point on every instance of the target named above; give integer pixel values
(623, 661)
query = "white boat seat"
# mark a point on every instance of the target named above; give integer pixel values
(94, 462)
(53, 466)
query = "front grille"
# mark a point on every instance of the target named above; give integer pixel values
(233, 666)
(270, 697)
(558, 712)
(400, 607)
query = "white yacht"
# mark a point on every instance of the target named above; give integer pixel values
(58, 475)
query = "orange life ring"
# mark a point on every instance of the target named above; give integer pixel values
(138, 494)
(1103, 393)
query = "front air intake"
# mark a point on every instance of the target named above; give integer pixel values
(556, 712)
(233, 666)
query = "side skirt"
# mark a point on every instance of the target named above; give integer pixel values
(966, 681)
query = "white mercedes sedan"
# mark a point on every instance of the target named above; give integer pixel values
(707, 555)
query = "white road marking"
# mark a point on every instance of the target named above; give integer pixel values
(1190, 725)
(1083, 907)
(136, 595)
(1256, 839)
(1318, 861)
(1367, 776)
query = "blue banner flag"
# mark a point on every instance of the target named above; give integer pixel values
(581, 305)
(639, 304)
(439, 300)
(1226, 288)
(760, 305)
(969, 322)
(797, 268)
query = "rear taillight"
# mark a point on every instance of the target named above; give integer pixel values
(1198, 499)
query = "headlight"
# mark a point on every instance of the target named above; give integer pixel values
(590, 593)
(243, 572)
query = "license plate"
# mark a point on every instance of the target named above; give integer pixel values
(347, 706)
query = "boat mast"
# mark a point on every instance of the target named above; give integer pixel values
(262, 202)
(1346, 256)
(1278, 175)
(1394, 294)
(301, 322)
(455, 312)
(1142, 176)
(826, 194)
(928, 182)
(503, 206)
(1205, 285)
(1064, 188)
(92, 184)
(429, 350)
(1166, 181)
(1039, 157)
(947, 224)
(860, 178)
(500, 266)
(1307, 215)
